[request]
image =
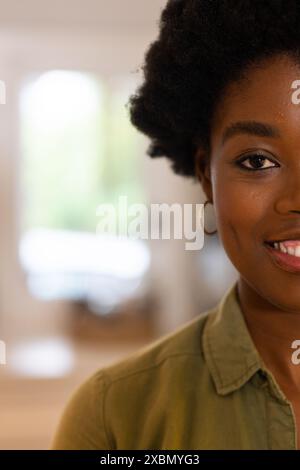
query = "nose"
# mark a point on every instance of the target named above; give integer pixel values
(288, 198)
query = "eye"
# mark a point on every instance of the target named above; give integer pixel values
(257, 160)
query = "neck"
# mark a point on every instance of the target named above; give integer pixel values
(273, 331)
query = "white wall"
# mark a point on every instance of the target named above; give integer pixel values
(99, 15)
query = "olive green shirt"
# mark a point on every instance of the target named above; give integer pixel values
(202, 386)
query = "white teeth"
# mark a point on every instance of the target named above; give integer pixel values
(294, 251)
(282, 247)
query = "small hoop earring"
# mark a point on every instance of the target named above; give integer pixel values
(205, 231)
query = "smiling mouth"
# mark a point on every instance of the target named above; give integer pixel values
(288, 260)
(292, 247)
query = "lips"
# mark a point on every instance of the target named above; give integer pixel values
(284, 236)
(284, 261)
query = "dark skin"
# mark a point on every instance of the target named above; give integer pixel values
(253, 206)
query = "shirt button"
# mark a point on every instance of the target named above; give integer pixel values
(263, 378)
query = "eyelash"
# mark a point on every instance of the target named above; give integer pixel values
(256, 154)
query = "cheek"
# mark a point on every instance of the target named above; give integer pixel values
(241, 209)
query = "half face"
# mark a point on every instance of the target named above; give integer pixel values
(254, 179)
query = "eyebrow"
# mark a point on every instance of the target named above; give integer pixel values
(251, 128)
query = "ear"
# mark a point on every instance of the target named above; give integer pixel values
(202, 170)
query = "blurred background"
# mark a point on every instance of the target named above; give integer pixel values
(73, 299)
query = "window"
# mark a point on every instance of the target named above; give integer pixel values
(78, 150)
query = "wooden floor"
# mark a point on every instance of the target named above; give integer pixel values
(30, 408)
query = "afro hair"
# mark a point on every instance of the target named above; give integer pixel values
(202, 46)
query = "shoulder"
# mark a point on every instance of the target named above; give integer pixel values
(183, 343)
(113, 393)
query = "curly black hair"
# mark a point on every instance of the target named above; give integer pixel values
(202, 46)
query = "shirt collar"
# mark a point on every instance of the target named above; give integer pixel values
(228, 347)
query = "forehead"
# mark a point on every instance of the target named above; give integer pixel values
(263, 94)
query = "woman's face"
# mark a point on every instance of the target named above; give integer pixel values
(260, 203)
